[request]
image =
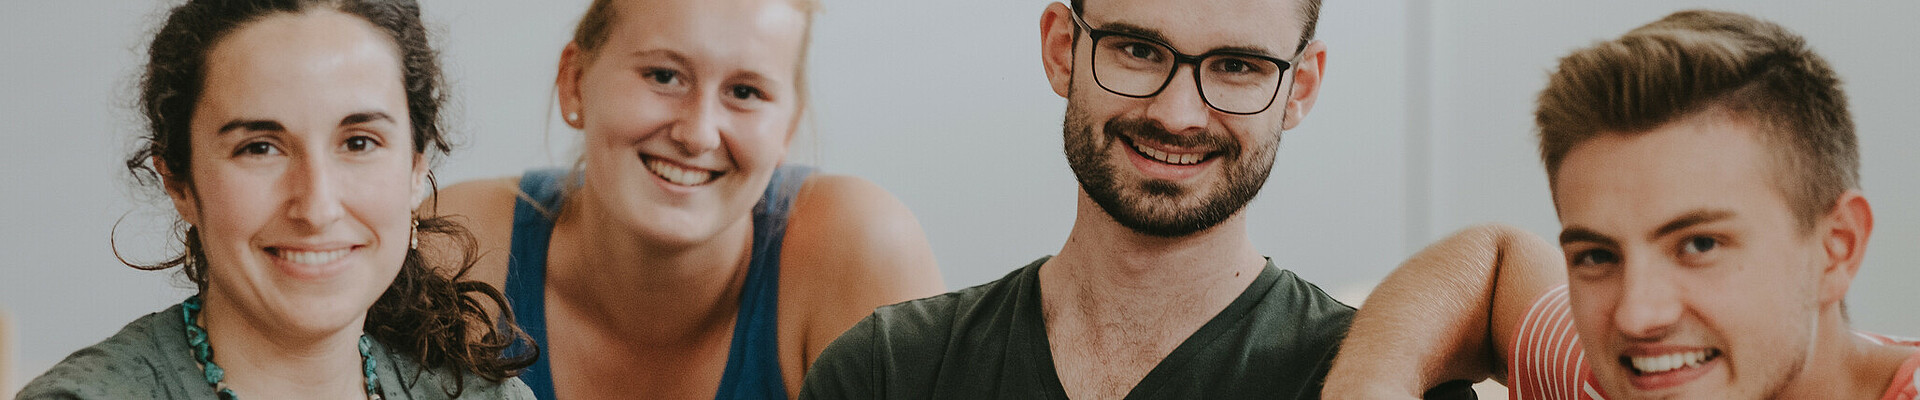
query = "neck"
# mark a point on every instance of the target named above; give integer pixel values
(646, 290)
(1844, 365)
(1108, 271)
(266, 361)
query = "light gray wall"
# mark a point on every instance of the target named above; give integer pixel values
(1422, 129)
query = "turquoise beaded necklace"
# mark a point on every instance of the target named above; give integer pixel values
(216, 377)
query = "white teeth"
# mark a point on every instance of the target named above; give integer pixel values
(677, 175)
(313, 257)
(1175, 159)
(1671, 361)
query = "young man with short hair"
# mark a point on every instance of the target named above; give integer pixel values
(1705, 171)
(1174, 115)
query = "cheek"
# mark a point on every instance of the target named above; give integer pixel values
(620, 112)
(1592, 305)
(383, 197)
(760, 140)
(232, 206)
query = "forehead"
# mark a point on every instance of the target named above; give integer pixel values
(1629, 184)
(756, 34)
(307, 63)
(1194, 26)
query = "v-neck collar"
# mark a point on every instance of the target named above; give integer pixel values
(1029, 332)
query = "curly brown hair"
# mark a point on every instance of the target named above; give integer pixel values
(441, 321)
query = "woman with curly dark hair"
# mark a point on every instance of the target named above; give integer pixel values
(294, 138)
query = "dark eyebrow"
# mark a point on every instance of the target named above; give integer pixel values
(257, 125)
(1695, 217)
(365, 117)
(1153, 34)
(1578, 234)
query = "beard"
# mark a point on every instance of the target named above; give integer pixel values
(1160, 207)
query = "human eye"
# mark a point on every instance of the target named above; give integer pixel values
(1138, 50)
(663, 77)
(1238, 66)
(258, 148)
(747, 92)
(1593, 257)
(359, 144)
(1699, 250)
(1142, 51)
(1698, 245)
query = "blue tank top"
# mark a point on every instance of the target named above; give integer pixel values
(753, 363)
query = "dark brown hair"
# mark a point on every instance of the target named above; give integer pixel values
(438, 320)
(1695, 61)
(1309, 10)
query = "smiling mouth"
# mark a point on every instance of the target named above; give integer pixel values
(1650, 365)
(677, 174)
(1167, 157)
(308, 257)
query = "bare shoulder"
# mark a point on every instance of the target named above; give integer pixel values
(850, 247)
(485, 208)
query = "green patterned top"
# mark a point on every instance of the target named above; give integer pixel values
(150, 359)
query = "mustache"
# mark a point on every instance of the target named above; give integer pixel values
(1144, 129)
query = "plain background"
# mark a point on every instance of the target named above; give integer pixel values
(1424, 127)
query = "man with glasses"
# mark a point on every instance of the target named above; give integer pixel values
(1174, 112)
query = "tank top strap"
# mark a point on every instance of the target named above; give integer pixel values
(533, 216)
(753, 360)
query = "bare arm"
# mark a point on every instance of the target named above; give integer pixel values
(851, 247)
(1444, 314)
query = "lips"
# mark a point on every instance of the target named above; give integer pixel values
(1662, 369)
(678, 174)
(1671, 361)
(1171, 157)
(309, 257)
(311, 263)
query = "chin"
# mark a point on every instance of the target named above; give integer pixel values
(334, 306)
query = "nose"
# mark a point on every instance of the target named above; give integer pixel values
(314, 201)
(698, 130)
(1178, 108)
(1649, 304)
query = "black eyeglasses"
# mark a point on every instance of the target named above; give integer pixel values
(1138, 67)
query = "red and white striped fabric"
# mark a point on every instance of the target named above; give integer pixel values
(1906, 383)
(1547, 362)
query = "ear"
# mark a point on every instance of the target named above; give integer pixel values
(1843, 235)
(420, 176)
(180, 191)
(1056, 46)
(567, 85)
(1306, 82)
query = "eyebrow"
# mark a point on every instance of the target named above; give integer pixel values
(365, 117)
(267, 125)
(1578, 235)
(1691, 218)
(1154, 34)
(257, 125)
(669, 54)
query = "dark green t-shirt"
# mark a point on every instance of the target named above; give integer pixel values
(1276, 341)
